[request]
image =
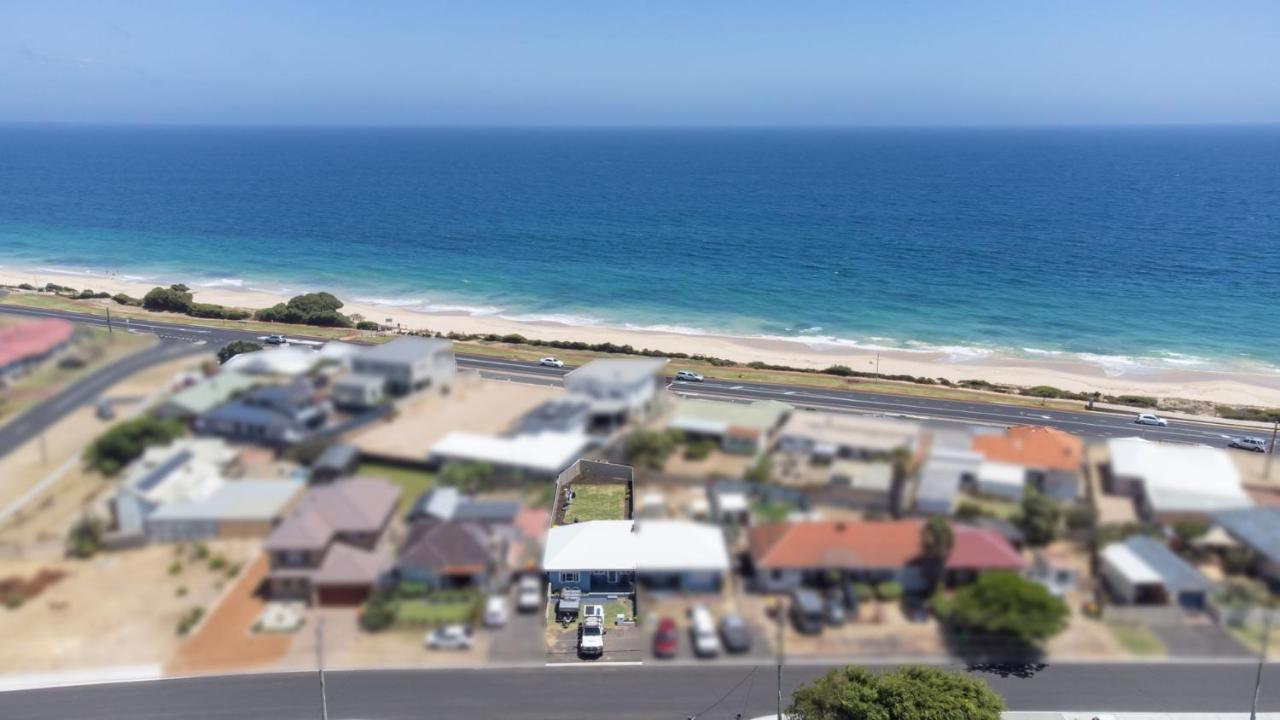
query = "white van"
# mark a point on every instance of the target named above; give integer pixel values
(495, 611)
(702, 628)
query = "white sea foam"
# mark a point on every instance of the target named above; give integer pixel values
(1038, 351)
(221, 282)
(391, 302)
(68, 271)
(468, 309)
(559, 319)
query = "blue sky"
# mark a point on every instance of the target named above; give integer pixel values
(641, 63)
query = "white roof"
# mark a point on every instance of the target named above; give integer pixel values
(236, 500)
(998, 473)
(1180, 478)
(592, 545)
(731, 502)
(645, 546)
(288, 360)
(545, 452)
(186, 470)
(616, 370)
(679, 545)
(338, 350)
(1127, 563)
(836, 430)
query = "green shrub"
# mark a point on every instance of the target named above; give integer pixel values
(237, 347)
(26, 286)
(175, 568)
(368, 325)
(889, 590)
(125, 442)
(217, 562)
(124, 299)
(85, 538)
(969, 510)
(377, 614)
(189, 620)
(700, 450)
(199, 551)
(1080, 517)
(863, 591)
(13, 602)
(411, 589)
(170, 299)
(181, 591)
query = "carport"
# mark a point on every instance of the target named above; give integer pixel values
(1143, 571)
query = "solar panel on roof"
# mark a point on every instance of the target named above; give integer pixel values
(162, 471)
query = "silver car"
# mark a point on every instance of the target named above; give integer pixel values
(1252, 444)
(1150, 419)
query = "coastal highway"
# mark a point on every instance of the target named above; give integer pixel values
(593, 692)
(1094, 425)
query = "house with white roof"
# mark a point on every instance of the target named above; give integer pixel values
(188, 470)
(1170, 482)
(619, 390)
(611, 556)
(948, 462)
(408, 363)
(531, 455)
(288, 361)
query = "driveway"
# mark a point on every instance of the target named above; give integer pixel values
(621, 644)
(520, 640)
(1200, 639)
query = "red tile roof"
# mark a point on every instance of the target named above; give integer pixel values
(818, 545)
(981, 549)
(1033, 446)
(32, 339)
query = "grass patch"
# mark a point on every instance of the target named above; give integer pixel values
(994, 507)
(614, 607)
(95, 346)
(1250, 636)
(420, 612)
(771, 512)
(1137, 639)
(597, 502)
(412, 482)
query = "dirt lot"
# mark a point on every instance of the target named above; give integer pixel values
(225, 641)
(117, 609)
(474, 405)
(347, 646)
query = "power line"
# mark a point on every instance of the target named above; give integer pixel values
(725, 696)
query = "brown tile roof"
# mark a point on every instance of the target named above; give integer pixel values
(355, 505)
(1033, 446)
(347, 565)
(436, 546)
(818, 545)
(981, 549)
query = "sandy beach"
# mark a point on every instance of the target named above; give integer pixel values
(1218, 387)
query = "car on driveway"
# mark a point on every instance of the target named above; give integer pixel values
(529, 594)
(591, 636)
(734, 634)
(666, 640)
(808, 611)
(688, 376)
(1150, 419)
(1249, 443)
(551, 362)
(495, 611)
(449, 637)
(835, 609)
(702, 629)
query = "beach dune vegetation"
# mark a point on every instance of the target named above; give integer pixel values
(319, 309)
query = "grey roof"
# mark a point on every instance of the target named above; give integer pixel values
(157, 474)
(1258, 527)
(487, 511)
(446, 503)
(441, 546)
(618, 369)
(239, 411)
(439, 503)
(1173, 570)
(407, 349)
(337, 457)
(236, 500)
(347, 565)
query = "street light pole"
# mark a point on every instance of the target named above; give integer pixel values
(324, 702)
(108, 319)
(1271, 451)
(1262, 660)
(782, 618)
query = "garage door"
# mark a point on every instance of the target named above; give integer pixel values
(344, 595)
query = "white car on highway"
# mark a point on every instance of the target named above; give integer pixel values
(1150, 419)
(551, 362)
(689, 376)
(276, 340)
(1249, 443)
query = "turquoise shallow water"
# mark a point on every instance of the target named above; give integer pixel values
(1125, 247)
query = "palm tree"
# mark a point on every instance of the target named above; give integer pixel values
(938, 539)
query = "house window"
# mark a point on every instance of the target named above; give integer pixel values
(612, 576)
(569, 577)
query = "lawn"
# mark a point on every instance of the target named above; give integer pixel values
(771, 512)
(993, 507)
(597, 502)
(422, 612)
(1137, 639)
(412, 482)
(613, 607)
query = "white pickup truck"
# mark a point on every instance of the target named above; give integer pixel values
(591, 631)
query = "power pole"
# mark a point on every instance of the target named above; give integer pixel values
(782, 617)
(324, 703)
(1271, 451)
(1262, 660)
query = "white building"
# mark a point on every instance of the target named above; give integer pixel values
(948, 463)
(830, 436)
(189, 470)
(1171, 482)
(408, 363)
(239, 508)
(534, 455)
(619, 389)
(611, 555)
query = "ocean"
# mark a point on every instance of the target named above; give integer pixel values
(1126, 247)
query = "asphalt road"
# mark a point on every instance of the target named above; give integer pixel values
(615, 692)
(1095, 425)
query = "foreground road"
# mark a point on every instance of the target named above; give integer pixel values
(1096, 425)
(614, 692)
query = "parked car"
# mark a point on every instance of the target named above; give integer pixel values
(1249, 443)
(666, 640)
(105, 411)
(275, 340)
(495, 611)
(1150, 419)
(702, 628)
(551, 362)
(734, 634)
(807, 611)
(848, 589)
(688, 376)
(835, 609)
(449, 637)
(591, 636)
(529, 594)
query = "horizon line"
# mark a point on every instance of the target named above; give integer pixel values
(642, 126)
